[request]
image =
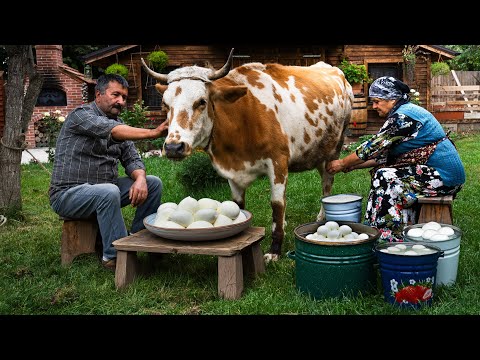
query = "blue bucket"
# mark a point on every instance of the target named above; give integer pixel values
(343, 207)
(408, 280)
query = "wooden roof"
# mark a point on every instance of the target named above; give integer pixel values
(115, 49)
(106, 52)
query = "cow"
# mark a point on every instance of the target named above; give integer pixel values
(258, 119)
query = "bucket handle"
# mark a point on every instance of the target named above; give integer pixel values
(291, 254)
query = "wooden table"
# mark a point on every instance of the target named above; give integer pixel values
(236, 254)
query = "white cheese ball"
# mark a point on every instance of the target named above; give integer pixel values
(240, 218)
(415, 232)
(164, 214)
(207, 203)
(344, 230)
(418, 247)
(446, 230)
(439, 237)
(431, 225)
(427, 234)
(332, 225)
(189, 204)
(167, 205)
(401, 246)
(333, 234)
(209, 215)
(182, 217)
(363, 236)
(315, 237)
(411, 253)
(393, 249)
(200, 224)
(169, 224)
(322, 230)
(222, 220)
(229, 208)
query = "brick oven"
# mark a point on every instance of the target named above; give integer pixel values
(64, 88)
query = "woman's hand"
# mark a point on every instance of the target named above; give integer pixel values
(335, 166)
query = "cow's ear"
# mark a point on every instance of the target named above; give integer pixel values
(228, 93)
(161, 88)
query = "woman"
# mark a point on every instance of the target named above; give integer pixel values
(411, 155)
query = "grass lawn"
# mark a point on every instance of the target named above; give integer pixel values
(34, 283)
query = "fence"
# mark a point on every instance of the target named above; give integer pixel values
(458, 91)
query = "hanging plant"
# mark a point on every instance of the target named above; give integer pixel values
(410, 59)
(354, 73)
(158, 59)
(118, 69)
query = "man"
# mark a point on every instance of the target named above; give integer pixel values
(85, 182)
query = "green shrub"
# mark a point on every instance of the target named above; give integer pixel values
(440, 68)
(137, 117)
(118, 69)
(197, 171)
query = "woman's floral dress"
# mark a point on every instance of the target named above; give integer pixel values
(396, 188)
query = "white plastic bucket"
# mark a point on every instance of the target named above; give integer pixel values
(448, 264)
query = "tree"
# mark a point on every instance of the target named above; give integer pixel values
(23, 86)
(468, 60)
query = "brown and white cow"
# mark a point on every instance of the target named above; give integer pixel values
(258, 119)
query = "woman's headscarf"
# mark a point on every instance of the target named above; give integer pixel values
(389, 88)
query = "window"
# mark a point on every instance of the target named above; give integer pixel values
(150, 95)
(376, 70)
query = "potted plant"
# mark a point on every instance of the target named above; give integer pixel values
(158, 59)
(355, 74)
(119, 69)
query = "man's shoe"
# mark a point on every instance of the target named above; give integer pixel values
(110, 264)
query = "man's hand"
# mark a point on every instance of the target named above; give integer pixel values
(162, 129)
(138, 191)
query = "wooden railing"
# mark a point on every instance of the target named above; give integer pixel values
(458, 91)
(457, 98)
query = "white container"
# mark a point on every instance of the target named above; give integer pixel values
(448, 264)
(343, 207)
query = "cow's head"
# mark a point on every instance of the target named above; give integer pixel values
(189, 95)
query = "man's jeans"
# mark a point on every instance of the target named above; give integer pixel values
(105, 201)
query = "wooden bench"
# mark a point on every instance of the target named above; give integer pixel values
(79, 236)
(237, 254)
(436, 208)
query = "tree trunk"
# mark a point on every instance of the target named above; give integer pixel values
(23, 86)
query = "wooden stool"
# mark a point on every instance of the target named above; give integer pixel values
(436, 208)
(235, 254)
(78, 237)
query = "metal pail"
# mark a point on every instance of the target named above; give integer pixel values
(343, 207)
(408, 280)
(334, 269)
(447, 267)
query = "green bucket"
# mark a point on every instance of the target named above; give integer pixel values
(334, 269)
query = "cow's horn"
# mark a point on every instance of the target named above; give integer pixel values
(160, 77)
(224, 70)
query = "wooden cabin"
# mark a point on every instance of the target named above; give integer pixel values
(380, 60)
